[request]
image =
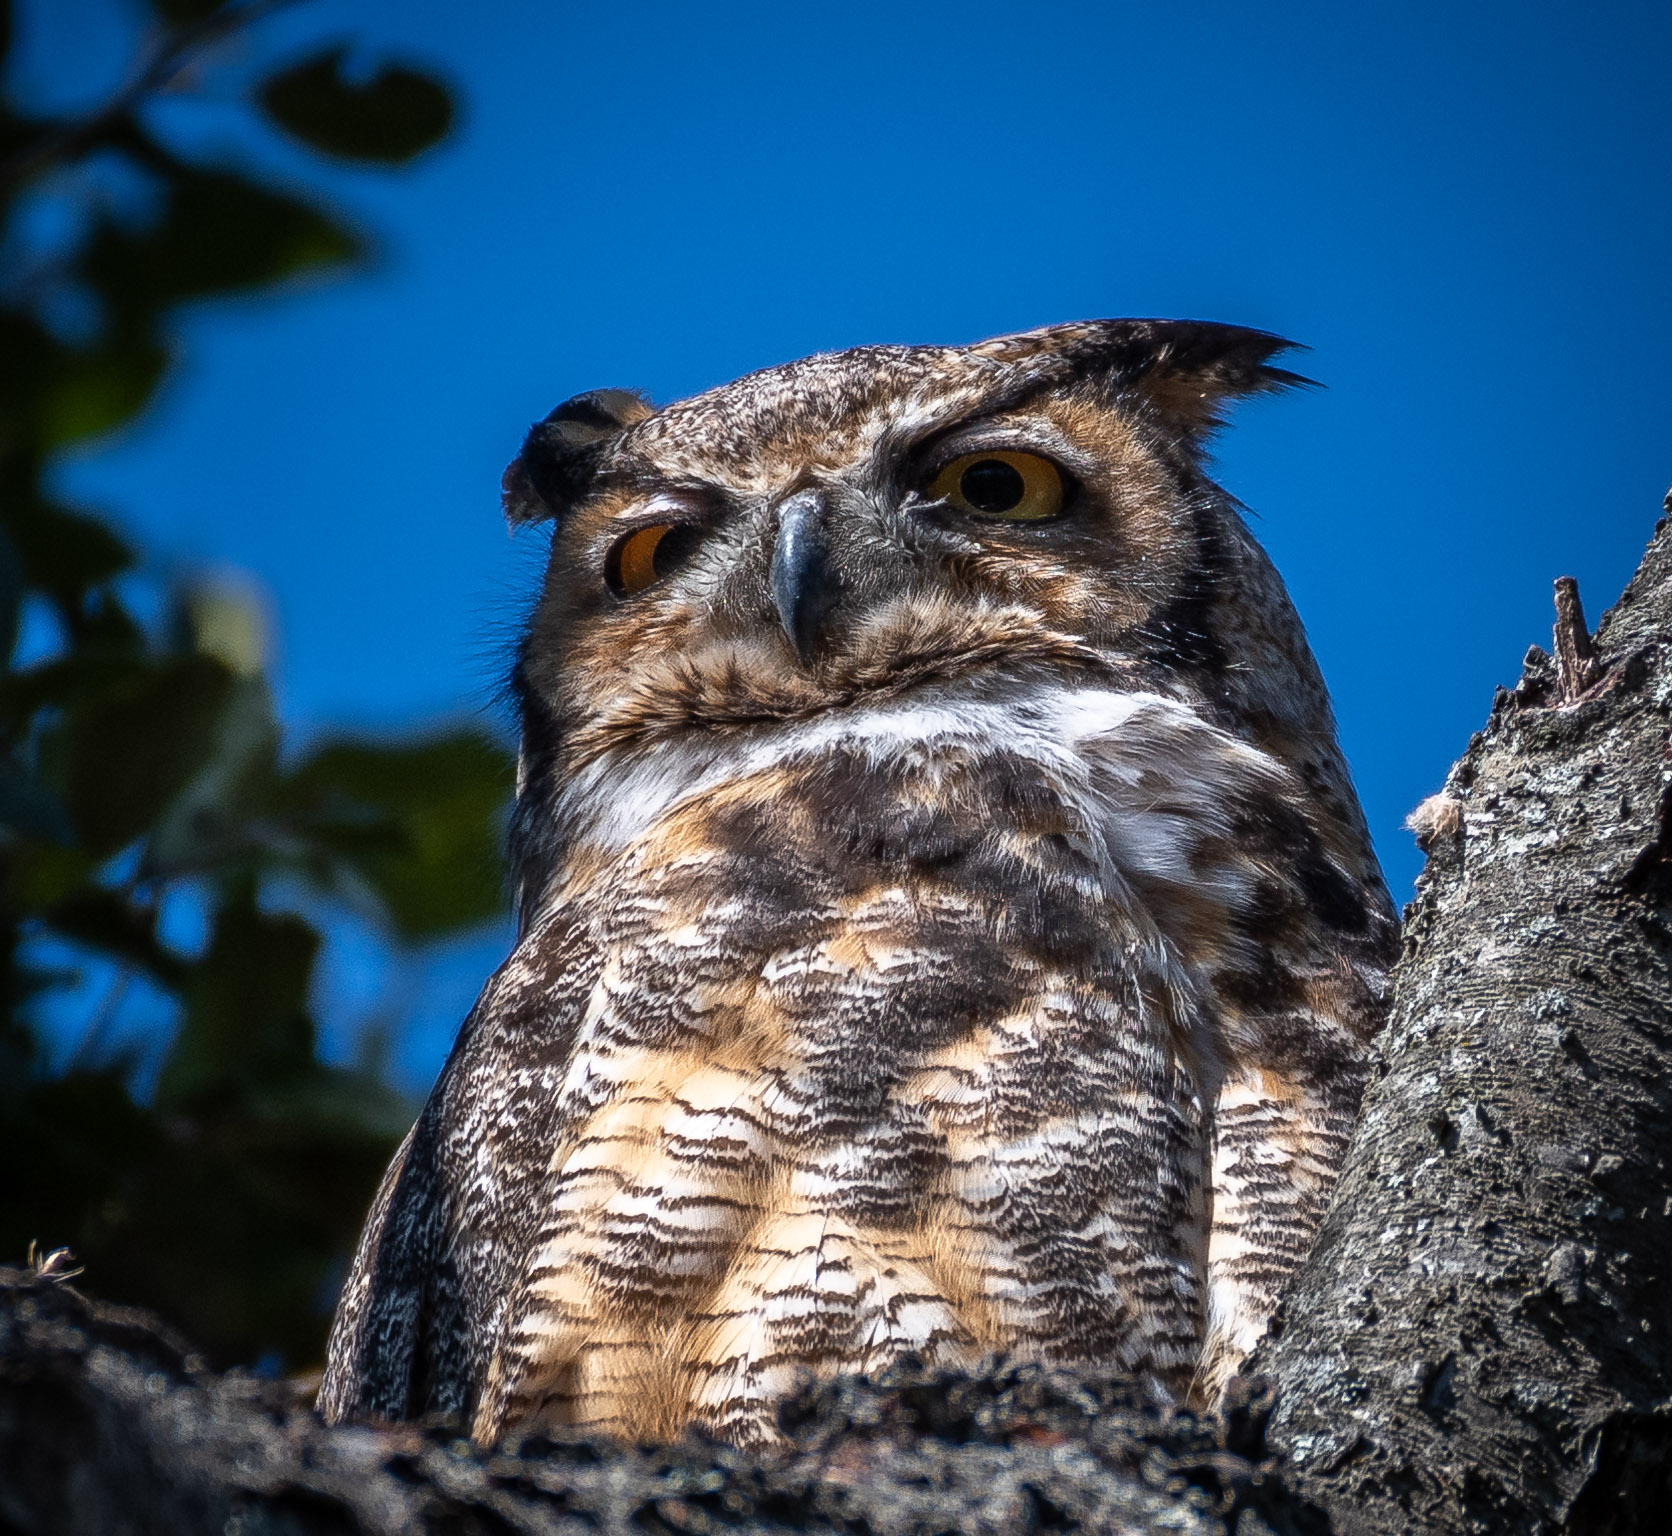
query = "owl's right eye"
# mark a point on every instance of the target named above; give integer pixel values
(646, 555)
(1003, 486)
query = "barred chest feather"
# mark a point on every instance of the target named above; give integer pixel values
(904, 1037)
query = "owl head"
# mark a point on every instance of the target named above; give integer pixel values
(858, 524)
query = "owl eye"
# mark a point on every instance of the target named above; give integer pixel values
(1016, 487)
(647, 555)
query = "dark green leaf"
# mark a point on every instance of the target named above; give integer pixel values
(219, 233)
(11, 594)
(443, 800)
(53, 393)
(93, 390)
(133, 749)
(30, 351)
(233, 1225)
(19, 134)
(395, 115)
(39, 875)
(102, 625)
(65, 552)
(29, 809)
(180, 12)
(247, 1023)
(76, 1136)
(232, 1201)
(109, 922)
(71, 681)
(209, 821)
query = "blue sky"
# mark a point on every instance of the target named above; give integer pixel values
(1465, 210)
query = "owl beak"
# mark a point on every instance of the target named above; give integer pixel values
(803, 585)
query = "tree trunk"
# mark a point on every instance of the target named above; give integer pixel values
(1480, 1340)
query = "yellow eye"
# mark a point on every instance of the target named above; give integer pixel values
(632, 563)
(1017, 487)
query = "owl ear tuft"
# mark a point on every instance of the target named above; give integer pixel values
(1190, 371)
(561, 454)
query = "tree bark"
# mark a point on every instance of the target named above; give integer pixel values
(1480, 1340)
(110, 1427)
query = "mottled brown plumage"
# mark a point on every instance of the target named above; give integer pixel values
(946, 926)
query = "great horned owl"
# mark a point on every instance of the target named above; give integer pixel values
(947, 924)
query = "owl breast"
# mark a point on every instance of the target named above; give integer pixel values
(947, 924)
(889, 1052)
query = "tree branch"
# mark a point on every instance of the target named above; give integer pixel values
(1482, 1337)
(178, 48)
(109, 1424)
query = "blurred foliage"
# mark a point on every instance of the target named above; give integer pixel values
(141, 765)
(395, 115)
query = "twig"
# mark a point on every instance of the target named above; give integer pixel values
(1576, 658)
(57, 1266)
(172, 54)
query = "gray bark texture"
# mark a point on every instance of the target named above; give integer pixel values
(1482, 1335)
(1479, 1342)
(109, 1427)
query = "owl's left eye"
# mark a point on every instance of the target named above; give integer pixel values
(647, 555)
(1013, 487)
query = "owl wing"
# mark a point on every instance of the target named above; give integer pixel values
(1290, 934)
(456, 1210)
(1297, 1018)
